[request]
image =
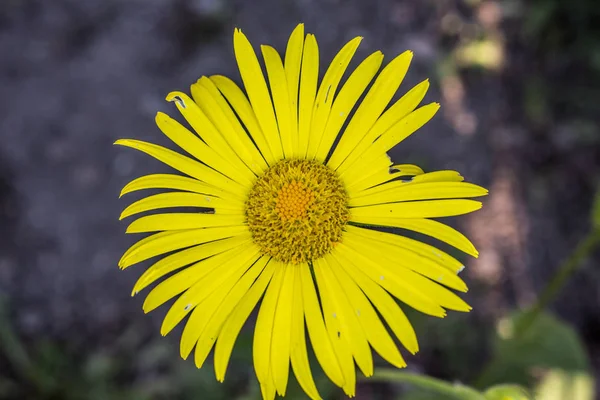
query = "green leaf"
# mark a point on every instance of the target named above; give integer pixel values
(548, 343)
(507, 392)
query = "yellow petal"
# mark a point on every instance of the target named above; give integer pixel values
(406, 259)
(373, 180)
(281, 98)
(437, 176)
(395, 269)
(170, 181)
(293, 59)
(424, 191)
(392, 283)
(218, 315)
(317, 332)
(404, 106)
(337, 335)
(415, 209)
(267, 389)
(219, 112)
(282, 324)
(243, 109)
(369, 321)
(397, 133)
(425, 250)
(263, 332)
(165, 242)
(256, 87)
(372, 106)
(232, 326)
(379, 169)
(189, 142)
(180, 221)
(346, 99)
(308, 89)
(298, 352)
(220, 279)
(187, 166)
(185, 257)
(383, 302)
(326, 94)
(183, 280)
(182, 199)
(351, 330)
(431, 228)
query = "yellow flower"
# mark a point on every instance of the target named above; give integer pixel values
(283, 207)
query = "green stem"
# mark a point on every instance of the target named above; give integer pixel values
(456, 391)
(558, 281)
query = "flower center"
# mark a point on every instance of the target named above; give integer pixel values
(296, 210)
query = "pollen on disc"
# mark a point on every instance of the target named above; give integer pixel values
(296, 210)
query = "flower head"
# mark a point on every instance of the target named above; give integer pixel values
(285, 214)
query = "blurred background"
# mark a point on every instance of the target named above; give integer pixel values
(519, 85)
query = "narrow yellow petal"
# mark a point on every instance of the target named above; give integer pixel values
(416, 209)
(397, 133)
(369, 321)
(406, 169)
(282, 324)
(392, 283)
(308, 89)
(373, 181)
(406, 259)
(220, 279)
(187, 166)
(214, 325)
(232, 326)
(165, 242)
(345, 101)
(379, 169)
(424, 191)
(281, 99)
(215, 140)
(256, 87)
(267, 389)
(428, 227)
(170, 181)
(292, 64)
(337, 335)
(418, 247)
(219, 112)
(244, 111)
(372, 106)
(183, 280)
(298, 351)
(263, 332)
(326, 94)
(180, 221)
(317, 332)
(185, 257)
(193, 145)
(404, 106)
(383, 302)
(350, 328)
(396, 269)
(437, 176)
(182, 199)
